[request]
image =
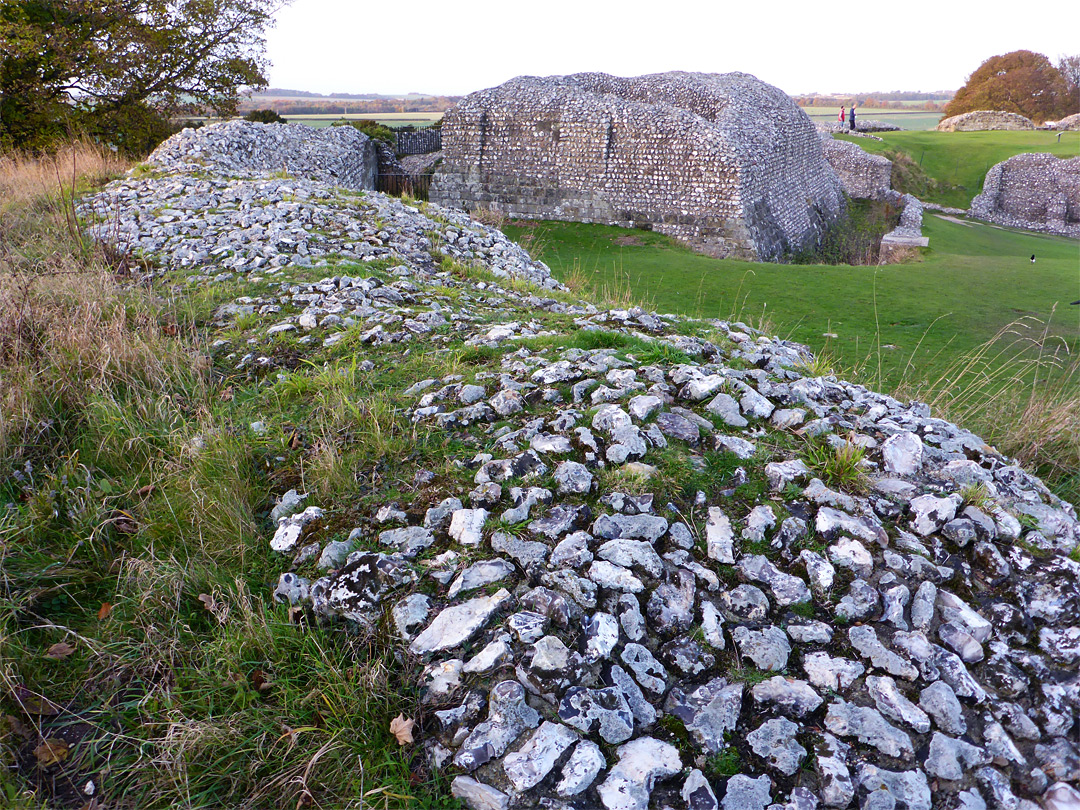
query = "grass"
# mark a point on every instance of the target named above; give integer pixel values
(137, 529)
(958, 161)
(908, 119)
(973, 300)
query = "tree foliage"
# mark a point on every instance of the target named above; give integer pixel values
(119, 68)
(1020, 82)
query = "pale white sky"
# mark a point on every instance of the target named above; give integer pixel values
(453, 47)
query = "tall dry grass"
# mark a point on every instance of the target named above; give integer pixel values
(69, 329)
(1020, 391)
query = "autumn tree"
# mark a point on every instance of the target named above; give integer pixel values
(1069, 68)
(1020, 82)
(118, 69)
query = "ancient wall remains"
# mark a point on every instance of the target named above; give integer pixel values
(726, 163)
(983, 120)
(863, 176)
(1040, 192)
(342, 156)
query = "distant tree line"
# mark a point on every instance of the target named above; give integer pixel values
(933, 104)
(310, 106)
(1022, 82)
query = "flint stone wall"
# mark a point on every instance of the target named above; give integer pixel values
(341, 156)
(863, 176)
(1070, 123)
(980, 120)
(1037, 191)
(726, 163)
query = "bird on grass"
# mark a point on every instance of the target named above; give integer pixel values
(1033, 258)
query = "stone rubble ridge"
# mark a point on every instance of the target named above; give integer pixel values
(772, 641)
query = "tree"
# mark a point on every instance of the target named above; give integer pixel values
(1069, 68)
(1020, 82)
(115, 67)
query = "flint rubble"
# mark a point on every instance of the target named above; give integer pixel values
(774, 643)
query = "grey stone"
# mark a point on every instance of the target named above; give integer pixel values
(792, 697)
(946, 756)
(527, 767)
(719, 538)
(649, 672)
(632, 554)
(891, 703)
(408, 541)
(641, 762)
(477, 795)
(907, 788)
(939, 701)
(708, 712)
(866, 642)
(601, 636)
(581, 769)
(744, 793)
(697, 793)
(602, 710)
(508, 717)
(827, 672)
(903, 454)
(767, 648)
(869, 727)
(479, 575)
(573, 478)
(615, 577)
(727, 409)
(837, 789)
(456, 625)
(774, 741)
(467, 526)
(411, 612)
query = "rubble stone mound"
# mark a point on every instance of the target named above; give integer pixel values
(863, 175)
(641, 579)
(726, 163)
(1070, 123)
(342, 156)
(980, 120)
(1037, 191)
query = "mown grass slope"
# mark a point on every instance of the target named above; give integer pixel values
(957, 162)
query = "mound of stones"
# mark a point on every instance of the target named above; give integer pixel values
(1070, 123)
(863, 175)
(1037, 191)
(979, 120)
(341, 156)
(861, 125)
(726, 163)
(907, 636)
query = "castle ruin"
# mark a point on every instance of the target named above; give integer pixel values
(723, 162)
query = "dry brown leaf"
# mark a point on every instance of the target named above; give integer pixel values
(208, 602)
(261, 681)
(51, 752)
(226, 394)
(60, 650)
(294, 441)
(146, 491)
(104, 611)
(402, 729)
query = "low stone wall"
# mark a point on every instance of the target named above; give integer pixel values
(908, 233)
(980, 120)
(1069, 124)
(342, 156)
(1037, 191)
(863, 125)
(863, 176)
(726, 163)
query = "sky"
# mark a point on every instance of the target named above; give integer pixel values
(449, 47)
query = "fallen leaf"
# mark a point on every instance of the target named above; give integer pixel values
(294, 441)
(60, 650)
(51, 752)
(124, 522)
(170, 329)
(32, 703)
(402, 729)
(226, 394)
(208, 602)
(104, 611)
(260, 681)
(146, 491)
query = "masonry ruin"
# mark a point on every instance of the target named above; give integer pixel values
(1037, 191)
(863, 175)
(723, 162)
(982, 120)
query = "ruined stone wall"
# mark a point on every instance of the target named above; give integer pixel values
(980, 120)
(724, 162)
(864, 176)
(1040, 192)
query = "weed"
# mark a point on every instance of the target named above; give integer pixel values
(976, 495)
(839, 466)
(724, 763)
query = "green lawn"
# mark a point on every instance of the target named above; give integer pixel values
(960, 160)
(974, 280)
(907, 119)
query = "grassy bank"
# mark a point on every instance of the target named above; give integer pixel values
(957, 162)
(143, 663)
(917, 329)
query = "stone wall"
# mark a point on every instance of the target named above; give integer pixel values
(725, 163)
(1040, 192)
(342, 156)
(982, 120)
(1070, 123)
(863, 176)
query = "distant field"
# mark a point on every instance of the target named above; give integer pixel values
(908, 119)
(960, 160)
(418, 119)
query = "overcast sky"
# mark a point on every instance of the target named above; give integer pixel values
(453, 47)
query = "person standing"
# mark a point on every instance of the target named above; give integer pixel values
(851, 119)
(840, 117)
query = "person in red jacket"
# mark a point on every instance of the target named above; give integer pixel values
(840, 117)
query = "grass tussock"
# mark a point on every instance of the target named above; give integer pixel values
(1020, 392)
